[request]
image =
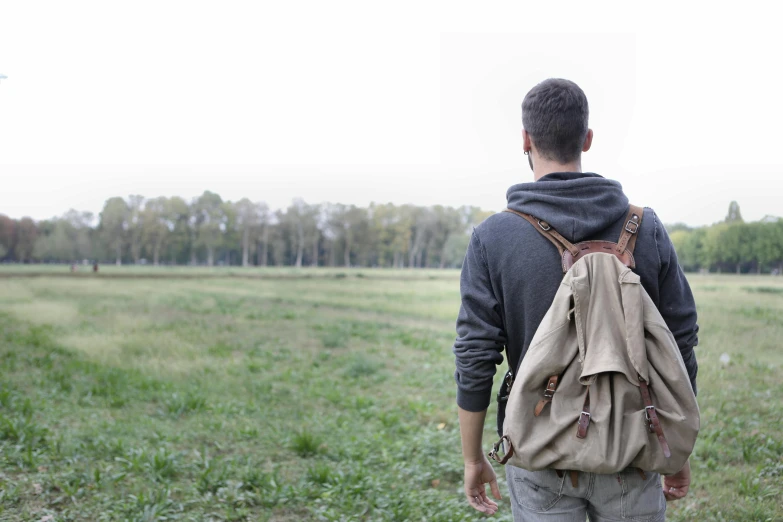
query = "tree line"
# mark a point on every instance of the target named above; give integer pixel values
(211, 231)
(732, 245)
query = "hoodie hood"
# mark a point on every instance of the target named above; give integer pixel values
(578, 205)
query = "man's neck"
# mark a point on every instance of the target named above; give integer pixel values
(542, 167)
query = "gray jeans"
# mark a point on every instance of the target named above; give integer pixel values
(545, 496)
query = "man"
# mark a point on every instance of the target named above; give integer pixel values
(509, 279)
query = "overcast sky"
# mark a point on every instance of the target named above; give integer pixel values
(414, 102)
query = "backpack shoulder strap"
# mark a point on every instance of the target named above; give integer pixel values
(546, 230)
(633, 220)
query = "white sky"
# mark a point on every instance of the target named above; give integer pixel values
(365, 101)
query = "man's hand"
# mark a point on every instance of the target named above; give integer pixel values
(676, 486)
(476, 475)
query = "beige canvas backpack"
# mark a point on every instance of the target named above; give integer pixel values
(602, 386)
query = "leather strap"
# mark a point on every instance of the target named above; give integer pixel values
(549, 392)
(591, 247)
(574, 474)
(584, 418)
(508, 447)
(633, 220)
(653, 423)
(561, 243)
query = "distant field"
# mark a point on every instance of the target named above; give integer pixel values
(145, 393)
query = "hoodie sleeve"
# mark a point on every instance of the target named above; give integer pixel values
(676, 303)
(480, 335)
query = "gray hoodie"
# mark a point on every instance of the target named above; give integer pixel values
(511, 274)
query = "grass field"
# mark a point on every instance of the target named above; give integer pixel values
(229, 394)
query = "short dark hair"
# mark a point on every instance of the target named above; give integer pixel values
(555, 114)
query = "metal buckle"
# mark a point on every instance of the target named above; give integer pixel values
(631, 226)
(493, 454)
(585, 413)
(549, 392)
(650, 425)
(544, 225)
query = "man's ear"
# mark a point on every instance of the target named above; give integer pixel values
(588, 140)
(527, 145)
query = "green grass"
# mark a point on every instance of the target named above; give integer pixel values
(277, 394)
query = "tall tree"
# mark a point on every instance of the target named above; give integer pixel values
(155, 226)
(210, 223)
(265, 223)
(65, 239)
(7, 235)
(179, 242)
(114, 225)
(26, 235)
(734, 215)
(248, 219)
(135, 225)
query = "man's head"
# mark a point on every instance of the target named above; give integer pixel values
(554, 117)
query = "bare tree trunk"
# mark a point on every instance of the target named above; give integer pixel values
(347, 253)
(331, 253)
(119, 254)
(738, 267)
(245, 245)
(314, 261)
(210, 256)
(264, 242)
(155, 254)
(396, 260)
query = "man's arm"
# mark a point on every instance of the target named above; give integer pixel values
(477, 349)
(480, 335)
(676, 303)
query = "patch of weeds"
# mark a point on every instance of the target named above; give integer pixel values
(180, 404)
(249, 432)
(417, 341)
(755, 449)
(340, 275)
(361, 366)
(151, 505)
(749, 487)
(320, 473)
(212, 475)
(72, 485)
(254, 367)
(362, 402)
(109, 382)
(135, 460)
(775, 290)
(63, 380)
(761, 367)
(23, 429)
(769, 316)
(335, 339)
(305, 444)
(163, 464)
(221, 350)
(268, 484)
